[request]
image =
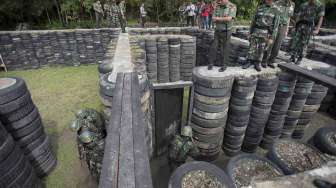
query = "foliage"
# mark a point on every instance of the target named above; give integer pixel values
(67, 12)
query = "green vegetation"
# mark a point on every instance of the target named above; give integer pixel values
(58, 94)
(55, 14)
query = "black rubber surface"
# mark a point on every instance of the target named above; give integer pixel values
(24, 121)
(12, 92)
(31, 137)
(29, 128)
(176, 178)
(18, 114)
(6, 148)
(11, 160)
(15, 104)
(323, 140)
(34, 144)
(8, 177)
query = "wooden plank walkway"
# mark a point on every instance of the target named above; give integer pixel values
(126, 161)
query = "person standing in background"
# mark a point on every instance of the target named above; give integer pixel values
(121, 10)
(286, 11)
(205, 15)
(211, 5)
(143, 14)
(224, 15)
(309, 13)
(190, 11)
(99, 12)
(263, 32)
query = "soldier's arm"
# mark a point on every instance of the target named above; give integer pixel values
(230, 17)
(275, 26)
(253, 24)
(320, 21)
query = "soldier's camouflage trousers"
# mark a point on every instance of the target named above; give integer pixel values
(258, 49)
(300, 40)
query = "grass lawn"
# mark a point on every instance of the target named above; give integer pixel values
(58, 93)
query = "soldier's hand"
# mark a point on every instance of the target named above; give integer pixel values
(316, 31)
(270, 41)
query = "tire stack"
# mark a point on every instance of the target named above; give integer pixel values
(311, 106)
(174, 59)
(302, 90)
(260, 110)
(15, 169)
(22, 120)
(163, 60)
(211, 103)
(106, 88)
(279, 109)
(151, 59)
(239, 114)
(188, 57)
(238, 50)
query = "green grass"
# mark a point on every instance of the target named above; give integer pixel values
(58, 93)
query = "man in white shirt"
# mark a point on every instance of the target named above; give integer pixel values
(190, 11)
(143, 14)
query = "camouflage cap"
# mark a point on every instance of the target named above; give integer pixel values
(86, 136)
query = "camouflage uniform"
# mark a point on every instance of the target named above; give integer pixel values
(122, 15)
(181, 147)
(90, 139)
(220, 48)
(305, 21)
(286, 11)
(112, 13)
(264, 27)
(97, 7)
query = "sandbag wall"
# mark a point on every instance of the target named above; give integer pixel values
(34, 49)
(261, 109)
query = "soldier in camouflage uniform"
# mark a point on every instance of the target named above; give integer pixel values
(262, 34)
(98, 8)
(286, 11)
(223, 16)
(91, 134)
(112, 12)
(307, 15)
(122, 14)
(181, 147)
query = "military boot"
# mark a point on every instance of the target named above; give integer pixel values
(292, 59)
(264, 64)
(271, 65)
(257, 66)
(222, 69)
(298, 61)
(247, 65)
(210, 66)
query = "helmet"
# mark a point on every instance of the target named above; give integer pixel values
(86, 136)
(75, 125)
(186, 131)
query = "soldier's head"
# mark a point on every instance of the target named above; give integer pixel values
(268, 2)
(86, 136)
(223, 2)
(311, 1)
(186, 131)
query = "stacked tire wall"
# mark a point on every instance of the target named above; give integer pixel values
(22, 120)
(263, 108)
(15, 168)
(35, 49)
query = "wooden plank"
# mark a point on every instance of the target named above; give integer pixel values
(312, 75)
(172, 85)
(143, 177)
(126, 177)
(109, 173)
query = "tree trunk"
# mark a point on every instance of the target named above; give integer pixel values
(59, 12)
(49, 20)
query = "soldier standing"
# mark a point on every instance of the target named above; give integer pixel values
(223, 16)
(121, 8)
(90, 139)
(262, 34)
(98, 8)
(305, 20)
(286, 11)
(181, 147)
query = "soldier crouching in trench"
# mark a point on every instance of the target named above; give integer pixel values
(181, 147)
(90, 139)
(262, 34)
(305, 28)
